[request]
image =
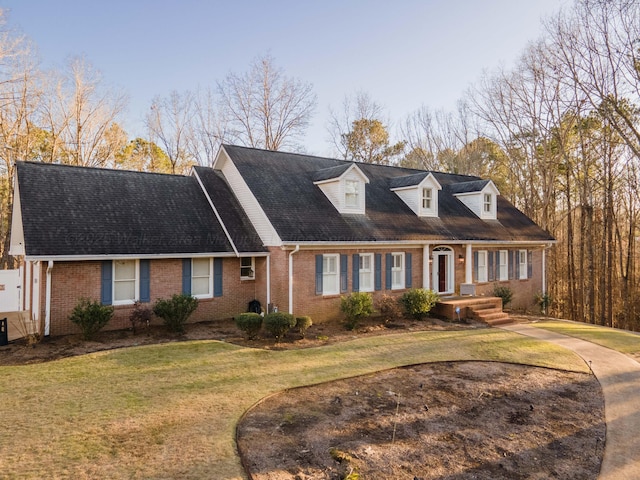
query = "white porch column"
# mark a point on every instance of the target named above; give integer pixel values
(426, 273)
(468, 266)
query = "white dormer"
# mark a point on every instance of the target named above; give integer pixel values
(344, 186)
(419, 192)
(480, 196)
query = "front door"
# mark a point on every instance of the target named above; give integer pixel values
(442, 273)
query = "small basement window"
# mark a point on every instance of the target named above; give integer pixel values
(247, 268)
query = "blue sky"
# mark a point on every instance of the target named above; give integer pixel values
(404, 53)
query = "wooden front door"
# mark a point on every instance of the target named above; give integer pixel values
(442, 273)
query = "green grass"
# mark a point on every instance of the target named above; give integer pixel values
(170, 410)
(620, 340)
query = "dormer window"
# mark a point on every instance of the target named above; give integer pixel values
(419, 191)
(427, 198)
(487, 203)
(344, 185)
(352, 193)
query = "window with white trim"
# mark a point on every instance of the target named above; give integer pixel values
(366, 272)
(397, 271)
(352, 193)
(202, 277)
(522, 264)
(503, 265)
(331, 274)
(482, 266)
(427, 198)
(247, 268)
(487, 202)
(125, 282)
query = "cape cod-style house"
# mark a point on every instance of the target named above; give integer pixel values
(292, 231)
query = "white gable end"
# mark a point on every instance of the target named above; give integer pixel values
(421, 198)
(346, 192)
(483, 203)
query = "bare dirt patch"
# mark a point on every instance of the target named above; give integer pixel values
(467, 420)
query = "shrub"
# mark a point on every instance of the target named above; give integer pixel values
(356, 306)
(90, 316)
(504, 292)
(140, 316)
(250, 323)
(417, 302)
(389, 308)
(544, 301)
(175, 311)
(279, 323)
(302, 324)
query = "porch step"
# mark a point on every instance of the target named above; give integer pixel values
(482, 309)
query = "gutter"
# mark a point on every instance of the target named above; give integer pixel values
(294, 251)
(47, 314)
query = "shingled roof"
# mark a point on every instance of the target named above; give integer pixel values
(299, 211)
(74, 211)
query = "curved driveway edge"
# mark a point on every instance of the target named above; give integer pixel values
(619, 377)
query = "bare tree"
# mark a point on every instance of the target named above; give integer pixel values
(208, 128)
(169, 123)
(264, 108)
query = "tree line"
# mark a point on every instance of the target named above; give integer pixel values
(559, 133)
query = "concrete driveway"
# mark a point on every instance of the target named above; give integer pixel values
(619, 377)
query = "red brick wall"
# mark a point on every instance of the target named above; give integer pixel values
(74, 280)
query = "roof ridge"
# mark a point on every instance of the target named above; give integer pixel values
(99, 169)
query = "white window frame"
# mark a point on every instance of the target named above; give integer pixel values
(503, 266)
(366, 273)
(252, 266)
(427, 199)
(136, 280)
(397, 271)
(522, 265)
(483, 271)
(334, 276)
(354, 196)
(209, 294)
(487, 202)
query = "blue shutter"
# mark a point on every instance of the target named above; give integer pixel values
(145, 281)
(106, 283)
(408, 280)
(378, 271)
(529, 264)
(356, 272)
(490, 274)
(387, 270)
(511, 262)
(475, 266)
(497, 265)
(186, 276)
(344, 273)
(217, 277)
(319, 274)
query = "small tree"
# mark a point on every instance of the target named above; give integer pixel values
(279, 323)
(418, 302)
(91, 317)
(176, 310)
(505, 293)
(389, 308)
(356, 306)
(250, 323)
(140, 316)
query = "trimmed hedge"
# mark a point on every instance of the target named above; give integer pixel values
(250, 323)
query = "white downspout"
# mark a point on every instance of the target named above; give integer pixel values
(268, 280)
(294, 251)
(47, 314)
(544, 269)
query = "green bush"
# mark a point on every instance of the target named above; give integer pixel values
(504, 292)
(175, 311)
(418, 302)
(250, 323)
(544, 301)
(356, 306)
(279, 323)
(90, 316)
(302, 324)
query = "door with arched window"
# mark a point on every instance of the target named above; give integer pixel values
(443, 270)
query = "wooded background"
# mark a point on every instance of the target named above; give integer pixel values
(559, 134)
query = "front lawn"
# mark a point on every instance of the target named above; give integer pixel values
(170, 410)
